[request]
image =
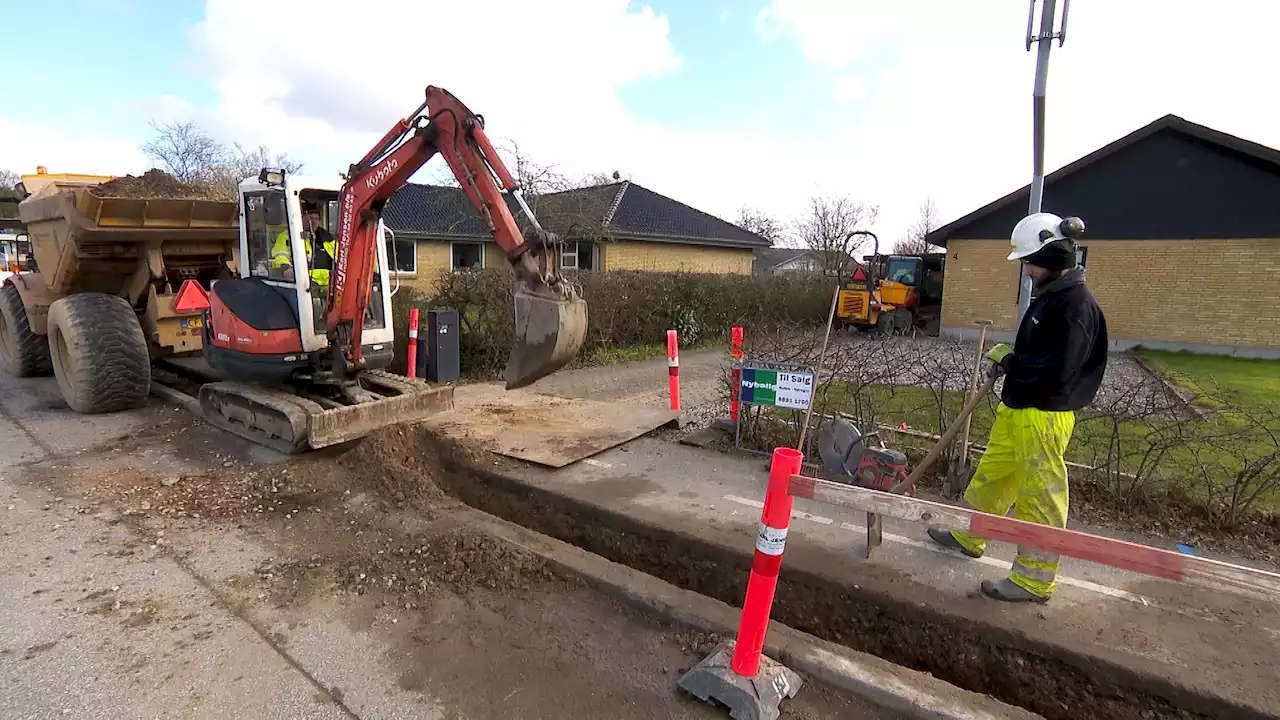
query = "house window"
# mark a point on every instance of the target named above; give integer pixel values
(578, 256)
(467, 256)
(402, 254)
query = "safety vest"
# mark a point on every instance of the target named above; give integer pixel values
(280, 256)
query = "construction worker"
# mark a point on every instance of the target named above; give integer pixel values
(318, 242)
(1053, 369)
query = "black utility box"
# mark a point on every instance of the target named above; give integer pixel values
(443, 346)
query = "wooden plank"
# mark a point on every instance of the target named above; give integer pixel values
(544, 429)
(1212, 574)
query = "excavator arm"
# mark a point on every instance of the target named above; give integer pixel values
(551, 316)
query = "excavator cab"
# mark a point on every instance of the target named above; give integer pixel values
(287, 250)
(266, 332)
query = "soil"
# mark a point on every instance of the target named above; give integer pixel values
(153, 183)
(487, 627)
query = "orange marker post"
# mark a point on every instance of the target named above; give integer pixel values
(413, 343)
(673, 369)
(770, 541)
(735, 352)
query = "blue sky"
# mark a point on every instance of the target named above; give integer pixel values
(110, 56)
(719, 103)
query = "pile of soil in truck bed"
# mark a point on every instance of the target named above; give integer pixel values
(153, 183)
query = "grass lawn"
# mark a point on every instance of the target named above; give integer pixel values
(1243, 379)
(918, 407)
(1186, 447)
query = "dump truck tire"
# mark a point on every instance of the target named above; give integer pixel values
(22, 351)
(99, 353)
(884, 324)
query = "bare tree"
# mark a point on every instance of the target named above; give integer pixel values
(185, 150)
(761, 223)
(8, 179)
(535, 178)
(597, 178)
(914, 242)
(189, 153)
(830, 228)
(239, 163)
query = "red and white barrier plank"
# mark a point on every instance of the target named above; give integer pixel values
(1168, 564)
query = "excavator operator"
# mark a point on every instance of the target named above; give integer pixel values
(318, 241)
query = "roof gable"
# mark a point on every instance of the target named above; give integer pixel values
(619, 209)
(1171, 179)
(645, 213)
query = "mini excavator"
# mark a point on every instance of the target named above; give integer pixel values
(302, 353)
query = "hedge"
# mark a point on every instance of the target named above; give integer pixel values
(625, 308)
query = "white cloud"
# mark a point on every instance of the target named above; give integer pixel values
(850, 88)
(27, 146)
(950, 110)
(942, 91)
(544, 74)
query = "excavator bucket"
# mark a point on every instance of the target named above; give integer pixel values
(549, 332)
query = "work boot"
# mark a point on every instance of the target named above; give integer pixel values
(947, 540)
(1009, 591)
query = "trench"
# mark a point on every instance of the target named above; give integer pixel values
(1011, 667)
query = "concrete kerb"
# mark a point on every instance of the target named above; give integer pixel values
(908, 692)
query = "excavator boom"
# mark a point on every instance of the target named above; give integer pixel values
(550, 314)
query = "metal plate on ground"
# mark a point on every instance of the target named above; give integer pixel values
(544, 429)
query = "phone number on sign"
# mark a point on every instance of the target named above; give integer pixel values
(795, 401)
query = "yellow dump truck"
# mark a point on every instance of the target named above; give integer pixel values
(98, 306)
(894, 293)
(124, 278)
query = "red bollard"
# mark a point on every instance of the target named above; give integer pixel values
(413, 343)
(735, 352)
(737, 674)
(774, 521)
(673, 369)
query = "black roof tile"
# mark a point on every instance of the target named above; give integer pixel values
(622, 209)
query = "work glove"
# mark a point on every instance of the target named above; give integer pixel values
(999, 357)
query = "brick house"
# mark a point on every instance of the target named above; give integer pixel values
(618, 226)
(1182, 243)
(775, 261)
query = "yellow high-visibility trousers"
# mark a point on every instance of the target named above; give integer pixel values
(1024, 468)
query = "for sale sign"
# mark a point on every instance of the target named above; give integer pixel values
(777, 388)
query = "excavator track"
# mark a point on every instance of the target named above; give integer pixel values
(274, 418)
(291, 424)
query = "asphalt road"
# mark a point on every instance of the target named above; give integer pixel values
(113, 604)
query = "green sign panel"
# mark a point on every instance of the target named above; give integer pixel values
(777, 388)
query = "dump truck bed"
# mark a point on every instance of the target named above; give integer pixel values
(85, 243)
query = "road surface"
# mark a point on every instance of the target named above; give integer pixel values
(156, 567)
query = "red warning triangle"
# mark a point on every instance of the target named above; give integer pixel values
(859, 275)
(190, 298)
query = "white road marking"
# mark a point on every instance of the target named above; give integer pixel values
(931, 547)
(794, 513)
(597, 463)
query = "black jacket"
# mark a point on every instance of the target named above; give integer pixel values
(1061, 349)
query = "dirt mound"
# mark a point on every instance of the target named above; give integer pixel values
(152, 184)
(468, 559)
(398, 464)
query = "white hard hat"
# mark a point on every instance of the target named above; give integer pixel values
(1039, 229)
